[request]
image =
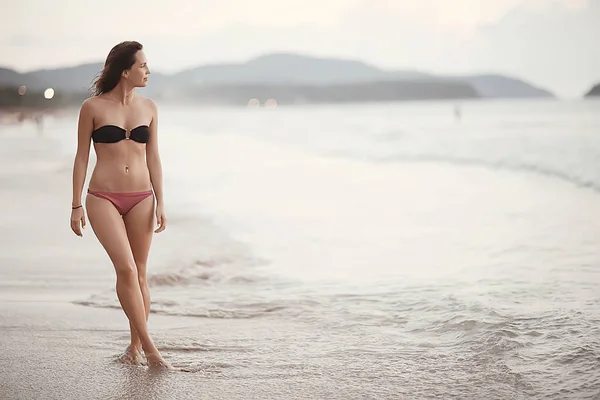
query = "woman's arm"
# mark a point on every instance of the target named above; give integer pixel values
(155, 168)
(84, 134)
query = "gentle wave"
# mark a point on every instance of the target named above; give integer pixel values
(174, 311)
(212, 270)
(183, 278)
(222, 314)
(512, 165)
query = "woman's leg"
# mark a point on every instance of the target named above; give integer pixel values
(109, 228)
(139, 223)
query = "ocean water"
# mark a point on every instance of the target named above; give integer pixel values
(386, 246)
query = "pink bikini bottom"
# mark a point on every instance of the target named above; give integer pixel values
(123, 202)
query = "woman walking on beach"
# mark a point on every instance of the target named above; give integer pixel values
(120, 200)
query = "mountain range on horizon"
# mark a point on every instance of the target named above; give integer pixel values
(286, 71)
(595, 91)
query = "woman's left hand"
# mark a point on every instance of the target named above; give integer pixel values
(161, 219)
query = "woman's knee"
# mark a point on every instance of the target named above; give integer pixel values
(142, 280)
(127, 272)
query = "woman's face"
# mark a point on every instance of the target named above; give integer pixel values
(137, 75)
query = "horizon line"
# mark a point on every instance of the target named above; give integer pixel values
(470, 73)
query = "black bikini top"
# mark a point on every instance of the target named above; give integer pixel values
(114, 134)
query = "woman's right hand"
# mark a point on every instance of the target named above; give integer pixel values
(77, 221)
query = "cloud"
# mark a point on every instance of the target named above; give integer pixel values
(519, 37)
(19, 40)
(557, 46)
(461, 14)
(134, 17)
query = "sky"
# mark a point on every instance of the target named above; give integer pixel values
(549, 43)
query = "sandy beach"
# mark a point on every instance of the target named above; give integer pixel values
(310, 257)
(56, 350)
(53, 348)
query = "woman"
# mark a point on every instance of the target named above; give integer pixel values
(127, 176)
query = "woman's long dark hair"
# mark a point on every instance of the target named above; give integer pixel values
(120, 58)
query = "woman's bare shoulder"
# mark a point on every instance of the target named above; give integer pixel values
(147, 101)
(91, 104)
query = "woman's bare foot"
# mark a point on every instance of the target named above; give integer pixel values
(156, 360)
(131, 356)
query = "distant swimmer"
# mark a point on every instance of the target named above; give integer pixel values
(457, 113)
(39, 121)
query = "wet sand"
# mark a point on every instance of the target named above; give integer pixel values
(56, 350)
(502, 306)
(53, 348)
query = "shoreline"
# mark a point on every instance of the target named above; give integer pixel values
(448, 288)
(63, 351)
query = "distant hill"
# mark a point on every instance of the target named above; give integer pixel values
(595, 91)
(381, 91)
(282, 68)
(285, 68)
(498, 86)
(10, 78)
(69, 79)
(303, 76)
(73, 79)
